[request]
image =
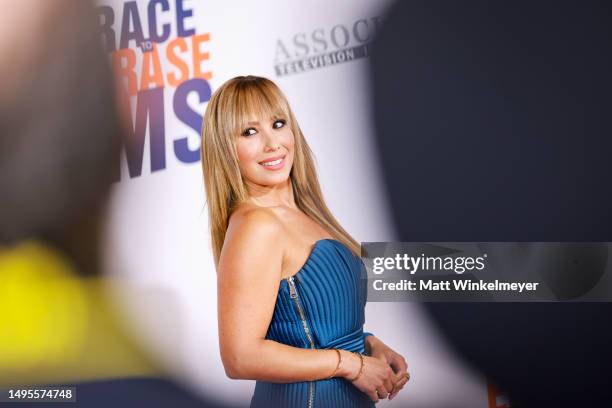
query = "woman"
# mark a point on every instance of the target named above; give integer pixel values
(290, 293)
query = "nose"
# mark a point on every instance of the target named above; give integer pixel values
(269, 149)
(272, 142)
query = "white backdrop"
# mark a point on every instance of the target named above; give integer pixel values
(157, 243)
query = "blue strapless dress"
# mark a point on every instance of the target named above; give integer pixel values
(320, 307)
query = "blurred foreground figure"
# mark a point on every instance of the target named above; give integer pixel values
(493, 125)
(59, 143)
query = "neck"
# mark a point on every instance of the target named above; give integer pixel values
(272, 196)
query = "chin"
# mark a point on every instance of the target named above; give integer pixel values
(273, 181)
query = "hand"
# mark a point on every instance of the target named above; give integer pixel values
(376, 380)
(396, 361)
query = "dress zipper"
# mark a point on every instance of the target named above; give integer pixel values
(294, 295)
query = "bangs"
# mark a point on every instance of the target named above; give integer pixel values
(257, 100)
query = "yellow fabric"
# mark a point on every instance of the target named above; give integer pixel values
(56, 326)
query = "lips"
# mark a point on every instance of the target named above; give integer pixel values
(272, 159)
(273, 163)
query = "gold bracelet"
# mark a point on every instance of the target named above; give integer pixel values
(362, 367)
(338, 365)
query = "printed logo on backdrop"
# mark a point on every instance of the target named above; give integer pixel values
(324, 47)
(157, 53)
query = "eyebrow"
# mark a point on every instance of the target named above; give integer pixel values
(275, 117)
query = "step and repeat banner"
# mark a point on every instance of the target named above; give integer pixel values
(170, 56)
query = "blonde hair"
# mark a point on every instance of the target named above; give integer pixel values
(227, 113)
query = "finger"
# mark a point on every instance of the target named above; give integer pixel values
(395, 390)
(373, 396)
(404, 382)
(401, 377)
(389, 385)
(398, 386)
(393, 380)
(399, 364)
(393, 393)
(392, 396)
(388, 374)
(382, 393)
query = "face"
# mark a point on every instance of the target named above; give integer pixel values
(265, 150)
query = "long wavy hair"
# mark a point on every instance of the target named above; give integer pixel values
(227, 113)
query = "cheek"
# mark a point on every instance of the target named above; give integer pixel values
(288, 139)
(246, 150)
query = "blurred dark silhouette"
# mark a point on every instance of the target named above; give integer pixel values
(59, 129)
(59, 145)
(493, 125)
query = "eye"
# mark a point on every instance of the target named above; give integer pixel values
(279, 123)
(249, 131)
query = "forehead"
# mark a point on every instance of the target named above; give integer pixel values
(255, 120)
(254, 104)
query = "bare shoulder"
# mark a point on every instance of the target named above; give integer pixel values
(254, 221)
(254, 236)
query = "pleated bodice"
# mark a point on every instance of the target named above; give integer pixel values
(320, 307)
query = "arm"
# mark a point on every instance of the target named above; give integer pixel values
(248, 281)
